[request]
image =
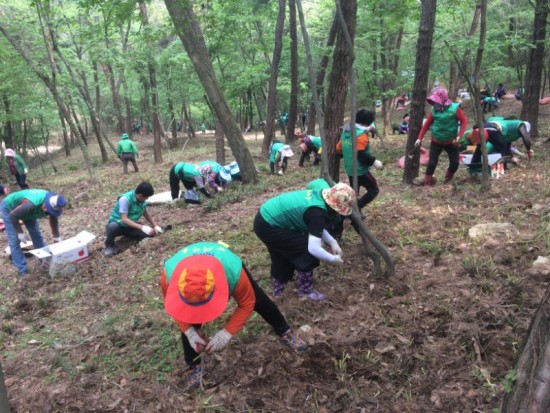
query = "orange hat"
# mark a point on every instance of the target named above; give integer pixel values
(198, 291)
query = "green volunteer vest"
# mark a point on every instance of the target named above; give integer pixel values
(135, 210)
(215, 166)
(509, 128)
(317, 143)
(36, 196)
(186, 171)
(276, 147)
(231, 263)
(126, 145)
(318, 184)
(347, 152)
(287, 210)
(445, 123)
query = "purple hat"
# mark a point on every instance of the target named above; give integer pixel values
(439, 96)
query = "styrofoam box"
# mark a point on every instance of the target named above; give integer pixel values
(467, 159)
(74, 249)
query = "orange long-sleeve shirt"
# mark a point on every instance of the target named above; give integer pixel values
(243, 295)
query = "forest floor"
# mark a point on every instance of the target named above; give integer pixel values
(441, 335)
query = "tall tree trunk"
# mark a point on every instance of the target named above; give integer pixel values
(66, 143)
(335, 100)
(321, 71)
(220, 144)
(193, 41)
(531, 393)
(293, 106)
(271, 111)
(4, 403)
(421, 70)
(535, 61)
(8, 136)
(157, 126)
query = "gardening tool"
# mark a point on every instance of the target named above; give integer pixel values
(413, 151)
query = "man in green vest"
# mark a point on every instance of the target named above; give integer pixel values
(197, 283)
(127, 152)
(511, 130)
(29, 205)
(18, 168)
(124, 219)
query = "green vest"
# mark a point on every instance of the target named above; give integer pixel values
(318, 184)
(287, 210)
(215, 166)
(445, 123)
(135, 210)
(509, 128)
(347, 152)
(231, 262)
(126, 146)
(36, 196)
(316, 142)
(276, 147)
(186, 171)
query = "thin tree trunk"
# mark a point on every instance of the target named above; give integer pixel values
(8, 136)
(293, 106)
(220, 144)
(422, 65)
(271, 111)
(66, 142)
(193, 41)
(4, 403)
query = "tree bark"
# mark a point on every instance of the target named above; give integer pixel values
(293, 105)
(423, 56)
(335, 101)
(4, 403)
(531, 391)
(8, 136)
(535, 61)
(271, 111)
(190, 33)
(220, 144)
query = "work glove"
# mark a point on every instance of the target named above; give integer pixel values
(158, 230)
(56, 240)
(337, 259)
(417, 143)
(26, 171)
(219, 341)
(148, 230)
(196, 340)
(280, 172)
(378, 165)
(531, 153)
(23, 237)
(220, 189)
(335, 248)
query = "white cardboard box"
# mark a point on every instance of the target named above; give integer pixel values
(74, 249)
(467, 159)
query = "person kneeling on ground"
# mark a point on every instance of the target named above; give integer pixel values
(309, 145)
(28, 206)
(197, 283)
(278, 156)
(192, 176)
(128, 209)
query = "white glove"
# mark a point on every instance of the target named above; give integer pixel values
(418, 143)
(148, 230)
(220, 189)
(219, 341)
(280, 172)
(26, 171)
(335, 248)
(195, 339)
(378, 165)
(56, 239)
(158, 230)
(337, 259)
(24, 237)
(531, 153)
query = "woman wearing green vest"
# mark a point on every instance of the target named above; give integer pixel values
(197, 283)
(191, 175)
(18, 168)
(128, 209)
(28, 206)
(511, 130)
(293, 226)
(443, 120)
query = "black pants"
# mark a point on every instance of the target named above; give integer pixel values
(367, 181)
(263, 306)
(435, 151)
(287, 250)
(114, 230)
(175, 183)
(126, 157)
(496, 139)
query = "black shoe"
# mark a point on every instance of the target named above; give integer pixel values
(111, 251)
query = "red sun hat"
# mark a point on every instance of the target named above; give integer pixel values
(198, 291)
(439, 96)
